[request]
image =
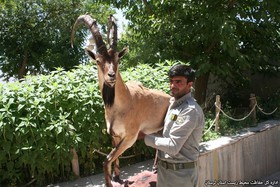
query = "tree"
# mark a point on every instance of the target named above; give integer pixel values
(224, 38)
(35, 35)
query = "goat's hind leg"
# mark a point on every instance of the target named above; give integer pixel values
(117, 172)
(114, 154)
(107, 164)
(116, 163)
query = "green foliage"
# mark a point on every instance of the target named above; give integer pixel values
(43, 117)
(230, 127)
(209, 130)
(224, 38)
(154, 77)
(217, 36)
(35, 35)
(269, 107)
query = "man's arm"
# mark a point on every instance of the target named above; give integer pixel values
(179, 133)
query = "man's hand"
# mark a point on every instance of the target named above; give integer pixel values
(141, 135)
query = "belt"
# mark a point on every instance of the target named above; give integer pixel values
(177, 166)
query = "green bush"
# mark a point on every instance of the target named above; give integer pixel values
(43, 117)
(209, 132)
(270, 107)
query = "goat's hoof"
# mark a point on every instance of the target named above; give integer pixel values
(118, 179)
(127, 183)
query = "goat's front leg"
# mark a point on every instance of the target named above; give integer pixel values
(117, 171)
(116, 163)
(114, 154)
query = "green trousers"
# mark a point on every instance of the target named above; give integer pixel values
(178, 178)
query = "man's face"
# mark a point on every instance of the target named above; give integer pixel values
(179, 86)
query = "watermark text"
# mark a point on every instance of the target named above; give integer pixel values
(240, 182)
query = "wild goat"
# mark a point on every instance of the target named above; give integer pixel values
(129, 108)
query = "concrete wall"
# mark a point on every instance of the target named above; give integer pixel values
(245, 158)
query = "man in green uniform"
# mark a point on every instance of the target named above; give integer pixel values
(179, 144)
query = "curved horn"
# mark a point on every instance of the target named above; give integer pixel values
(112, 28)
(90, 24)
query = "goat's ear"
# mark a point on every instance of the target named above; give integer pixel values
(90, 53)
(123, 52)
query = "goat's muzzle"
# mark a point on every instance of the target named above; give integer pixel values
(111, 80)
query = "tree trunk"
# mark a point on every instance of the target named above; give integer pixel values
(23, 66)
(200, 88)
(75, 162)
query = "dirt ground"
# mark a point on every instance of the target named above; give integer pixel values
(143, 179)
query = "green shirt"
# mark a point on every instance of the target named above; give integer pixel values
(182, 131)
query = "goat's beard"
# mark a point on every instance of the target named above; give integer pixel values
(108, 94)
